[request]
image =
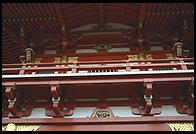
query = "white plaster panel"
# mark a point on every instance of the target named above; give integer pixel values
(38, 113)
(120, 26)
(86, 51)
(153, 48)
(50, 52)
(82, 112)
(119, 50)
(169, 110)
(123, 111)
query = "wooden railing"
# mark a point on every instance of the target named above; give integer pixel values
(99, 66)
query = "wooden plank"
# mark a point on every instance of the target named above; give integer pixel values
(119, 120)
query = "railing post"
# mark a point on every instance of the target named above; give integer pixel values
(128, 68)
(183, 66)
(22, 71)
(74, 68)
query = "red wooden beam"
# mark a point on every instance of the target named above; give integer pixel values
(105, 127)
(118, 79)
(120, 120)
(101, 15)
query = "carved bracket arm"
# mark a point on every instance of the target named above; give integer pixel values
(13, 100)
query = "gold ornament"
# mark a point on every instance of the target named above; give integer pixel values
(102, 114)
(148, 56)
(141, 56)
(64, 59)
(170, 56)
(133, 57)
(57, 59)
(13, 127)
(37, 60)
(181, 126)
(72, 59)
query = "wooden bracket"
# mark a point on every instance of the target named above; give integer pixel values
(128, 68)
(13, 108)
(57, 107)
(187, 107)
(74, 68)
(147, 86)
(148, 97)
(183, 66)
(56, 96)
(146, 108)
(55, 89)
(10, 91)
(13, 101)
(22, 71)
(191, 98)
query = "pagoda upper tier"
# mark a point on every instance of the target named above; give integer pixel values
(67, 27)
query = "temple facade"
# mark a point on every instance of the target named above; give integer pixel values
(98, 67)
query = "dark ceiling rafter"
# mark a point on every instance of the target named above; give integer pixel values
(167, 15)
(59, 14)
(37, 24)
(52, 27)
(173, 20)
(32, 24)
(184, 16)
(141, 18)
(82, 14)
(13, 25)
(124, 6)
(116, 19)
(147, 19)
(157, 16)
(44, 24)
(88, 20)
(153, 16)
(53, 22)
(131, 17)
(5, 28)
(171, 17)
(78, 8)
(161, 16)
(30, 15)
(121, 9)
(90, 17)
(5, 12)
(101, 15)
(27, 25)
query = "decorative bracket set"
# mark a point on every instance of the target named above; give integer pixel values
(13, 100)
(57, 101)
(145, 107)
